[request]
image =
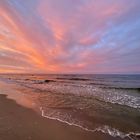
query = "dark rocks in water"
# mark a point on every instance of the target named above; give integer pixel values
(76, 79)
(27, 79)
(47, 81)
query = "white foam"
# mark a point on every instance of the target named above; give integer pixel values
(120, 97)
(104, 129)
(112, 95)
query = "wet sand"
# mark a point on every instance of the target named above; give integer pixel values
(21, 123)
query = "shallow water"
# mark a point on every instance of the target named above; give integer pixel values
(107, 103)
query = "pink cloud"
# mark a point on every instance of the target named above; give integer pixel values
(67, 36)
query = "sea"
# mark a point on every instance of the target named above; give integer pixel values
(109, 103)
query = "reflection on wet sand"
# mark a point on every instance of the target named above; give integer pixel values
(18, 95)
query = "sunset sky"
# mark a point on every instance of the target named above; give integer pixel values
(69, 36)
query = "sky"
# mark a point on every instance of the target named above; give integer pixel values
(70, 36)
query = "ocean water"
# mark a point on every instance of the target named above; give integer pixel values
(106, 103)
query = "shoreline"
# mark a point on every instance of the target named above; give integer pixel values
(23, 123)
(17, 122)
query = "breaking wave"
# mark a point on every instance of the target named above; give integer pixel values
(104, 129)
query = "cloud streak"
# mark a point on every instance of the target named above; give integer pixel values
(68, 36)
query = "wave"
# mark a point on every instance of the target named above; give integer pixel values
(120, 95)
(121, 88)
(104, 129)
